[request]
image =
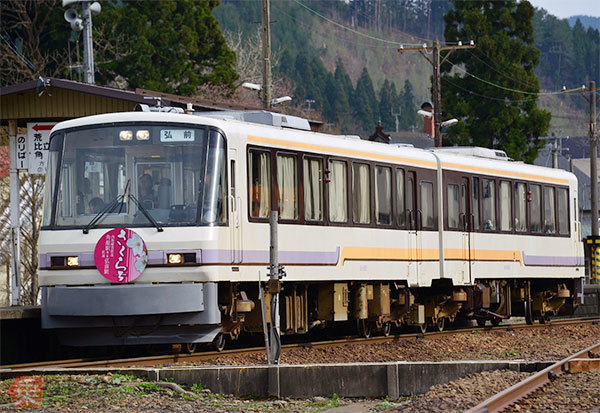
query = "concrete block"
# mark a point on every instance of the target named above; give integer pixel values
(346, 380)
(239, 381)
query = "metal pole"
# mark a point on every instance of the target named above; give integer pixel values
(274, 288)
(555, 154)
(267, 87)
(88, 43)
(593, 158)
(15, 217)
(437, 95)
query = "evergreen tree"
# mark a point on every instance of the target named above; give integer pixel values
(386, 103)
(365, 102)
(409, 108)
(501, 116)
(343, 79)
(169, 46)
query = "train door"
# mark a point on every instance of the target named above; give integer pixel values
(412, 221)
(465, 222)
(235, 205)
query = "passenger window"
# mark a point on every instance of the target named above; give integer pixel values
(410, 198)
(259, 163)
(338, 192)
(401, 208)
(563, 211)
(489, 204)
(453, 211)
(535, 208)
(427, 204)
(476, 217)
(505, 206)
(383, 195)
(361, 193)
(313, 189)
(520, 207)
(287, 186)
(549, 211)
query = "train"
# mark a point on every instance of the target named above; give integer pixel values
(156, 230)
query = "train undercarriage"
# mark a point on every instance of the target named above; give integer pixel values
(376, 307)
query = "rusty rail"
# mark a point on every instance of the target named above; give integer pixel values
(514, 393)
(151, 361)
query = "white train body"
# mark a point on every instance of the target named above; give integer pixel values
(195, 300)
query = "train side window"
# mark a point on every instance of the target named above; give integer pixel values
(563, 211)
(400, 207)
(505, 206)
(489, 204)
(549, 211)
(520, 207)
(535, 208)
(410, 199)
(427, 207)
(453, 210)
(361, 193)
(383, 195)
(476, 217)
(287, 186)
(259, 163)
(338, 192)
(313, 189)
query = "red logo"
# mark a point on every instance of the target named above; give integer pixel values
(26, 391)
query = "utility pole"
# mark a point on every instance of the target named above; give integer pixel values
(436, 84)
(396, 116)
(267, 86)
(274, 286)
(88, 43)
(593, 158)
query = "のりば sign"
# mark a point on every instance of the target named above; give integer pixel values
(121, 255)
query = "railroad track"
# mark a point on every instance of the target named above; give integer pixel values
(165, 359)
(586, 360)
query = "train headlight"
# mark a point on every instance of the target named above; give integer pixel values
(175, 258)
(142, 135)
(72, 261)
(126, 135)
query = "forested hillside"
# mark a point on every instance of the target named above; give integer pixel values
(352, 36)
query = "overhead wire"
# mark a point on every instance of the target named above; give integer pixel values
(506, 75)
(13, 47)
(350, 29)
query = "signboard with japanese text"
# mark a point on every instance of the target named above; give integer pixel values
(38, 137)
(22, 155)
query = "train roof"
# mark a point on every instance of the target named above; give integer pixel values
(465, 160)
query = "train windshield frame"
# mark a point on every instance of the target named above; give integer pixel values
(176, 172)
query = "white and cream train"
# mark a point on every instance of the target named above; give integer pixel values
(369, 233)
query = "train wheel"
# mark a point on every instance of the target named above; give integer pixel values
(365, 328)
(481, 322)
(422, 328)
(189, 348)
(219, 342)
(495, 321)
(387, 329)
(440, 323)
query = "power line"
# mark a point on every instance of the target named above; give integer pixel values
(392, 42)
(503, 87)
(497, 71)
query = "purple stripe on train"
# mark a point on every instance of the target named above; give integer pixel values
(552, 261)
(217, 256)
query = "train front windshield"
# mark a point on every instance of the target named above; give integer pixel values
(174, 173)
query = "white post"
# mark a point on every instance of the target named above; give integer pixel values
(15, 217)
(274, 288)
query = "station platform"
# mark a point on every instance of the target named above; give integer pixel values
(20, 312)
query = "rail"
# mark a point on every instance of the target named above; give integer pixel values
(151, 361)
(511, 395)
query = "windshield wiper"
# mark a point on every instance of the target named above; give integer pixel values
(145, 212)
(119, 200)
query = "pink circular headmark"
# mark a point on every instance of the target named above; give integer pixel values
(121, 255)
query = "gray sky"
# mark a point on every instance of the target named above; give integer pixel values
(567, 8)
